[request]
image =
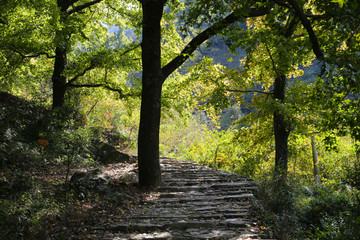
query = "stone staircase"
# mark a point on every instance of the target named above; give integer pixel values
(194, 202)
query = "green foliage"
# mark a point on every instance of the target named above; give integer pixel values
(246, 151)
(113, 121)
(328, 212)
(276, 208)
(331, 213)
(352, 176)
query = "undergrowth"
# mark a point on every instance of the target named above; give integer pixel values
(329, 211)
(36, 201)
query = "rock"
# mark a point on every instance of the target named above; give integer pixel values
(128, 178)
(108, 154)
(94, 180)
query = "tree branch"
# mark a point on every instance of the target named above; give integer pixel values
(249, 91)
(272, 60)
(131, 49)
(290, 29)
(306, 23)
(69, 83)
(206, 34)
(35, 55)
(297, 36)
(103, 85)
(92, 108)
(120, 91)
(30, 56)
(91, 67)
(82, 7)
(313, 38)
(317, 17)
(85, 85)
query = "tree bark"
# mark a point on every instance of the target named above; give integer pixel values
(58, 78)
(152, 80)
(281, 130)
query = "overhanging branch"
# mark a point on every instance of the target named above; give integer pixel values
(131, 49)
(313, 38)
(69, 83)
(307, 25)
(85, 85)
(206, 34)
(82, 7)
(249, 91)
(30, 56)
(120, 91)
(93, 66)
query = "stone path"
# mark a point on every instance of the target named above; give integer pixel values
(194, 202)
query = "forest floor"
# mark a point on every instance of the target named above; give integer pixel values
(193, 202)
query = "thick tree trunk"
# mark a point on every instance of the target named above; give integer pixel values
(152, 80)
(58, 79)
(148, 142)
(281, 131)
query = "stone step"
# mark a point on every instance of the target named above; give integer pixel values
(239, 197)
(200, 188)
(193, 216)
(193, 205)
(177, 225)
(196, 209)
(189, 234)
(200, 194)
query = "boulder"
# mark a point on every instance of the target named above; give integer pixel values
(94, 180)
(108, 154)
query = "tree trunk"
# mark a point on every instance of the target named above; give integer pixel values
(148, 142)
(152, 80)
(58, 78)
(281, 131)
(315, 160)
